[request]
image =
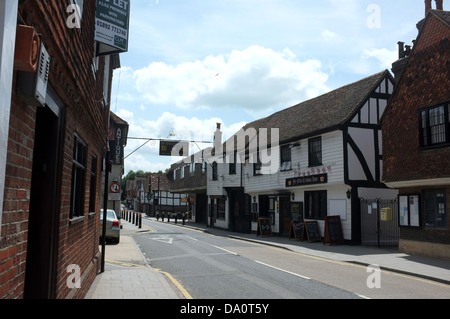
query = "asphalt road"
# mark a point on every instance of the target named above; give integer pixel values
(216, 267)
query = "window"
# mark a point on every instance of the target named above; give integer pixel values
(93, 185)
(257, 168)
(214, 171)
(78, 178)
(435, 209)
(409, 210)
(221, 209)
(316, 205)
(204, 165)
(315, 152)
(232, 165)
(435, 126)
(286, 158)
(182, 172)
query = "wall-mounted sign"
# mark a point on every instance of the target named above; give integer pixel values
(307, 180)
(117, 140)
(111, 26)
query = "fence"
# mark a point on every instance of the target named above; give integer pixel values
(374, 231)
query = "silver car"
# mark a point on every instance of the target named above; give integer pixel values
(112, 226)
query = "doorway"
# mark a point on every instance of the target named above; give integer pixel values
(285, 215)
(43, 235)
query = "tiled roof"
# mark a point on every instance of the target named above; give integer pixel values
(322, 113)
(444, 15)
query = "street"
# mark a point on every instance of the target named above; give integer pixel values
(217, 267)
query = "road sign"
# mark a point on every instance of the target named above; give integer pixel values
(115, 188)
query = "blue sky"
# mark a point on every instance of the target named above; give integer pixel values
(192, 64)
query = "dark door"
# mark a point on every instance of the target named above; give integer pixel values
(285, 215)
(240, 217)
(40, 276)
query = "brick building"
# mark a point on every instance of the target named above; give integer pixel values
(416, 138)
(57, 137)
(189, 177)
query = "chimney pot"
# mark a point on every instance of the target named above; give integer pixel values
(401, 50)
(427, 6)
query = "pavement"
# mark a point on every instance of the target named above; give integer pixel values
(128, 274)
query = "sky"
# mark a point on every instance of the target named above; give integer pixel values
(193, 64)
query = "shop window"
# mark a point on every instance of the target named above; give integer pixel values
(316, 205)
(435, 209)
(78, 178)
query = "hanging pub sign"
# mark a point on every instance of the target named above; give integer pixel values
(173, 148)
(112, 22)
(307, 180)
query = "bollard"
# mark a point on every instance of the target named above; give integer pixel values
(137, 219)
(140, 221)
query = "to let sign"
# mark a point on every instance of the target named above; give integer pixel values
(111, 26)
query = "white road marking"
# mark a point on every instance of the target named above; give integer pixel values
(283, 270)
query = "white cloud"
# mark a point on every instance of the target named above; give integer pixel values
(252, 79)
(328, 35)
(385, 56)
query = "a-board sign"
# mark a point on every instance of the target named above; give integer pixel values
(312, 231)
(264, 227)
(333, 231)
(296, 230)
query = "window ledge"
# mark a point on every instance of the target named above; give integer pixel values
(76, 220)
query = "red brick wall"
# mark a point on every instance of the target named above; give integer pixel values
(71, 76)
(13, 243)
(424, 83)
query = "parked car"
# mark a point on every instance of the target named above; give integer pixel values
(112, 226)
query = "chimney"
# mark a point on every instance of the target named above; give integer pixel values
(440, 5)
(427, 6)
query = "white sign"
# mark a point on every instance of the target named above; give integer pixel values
(114, 196)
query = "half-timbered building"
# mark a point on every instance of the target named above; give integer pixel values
(328, 157)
